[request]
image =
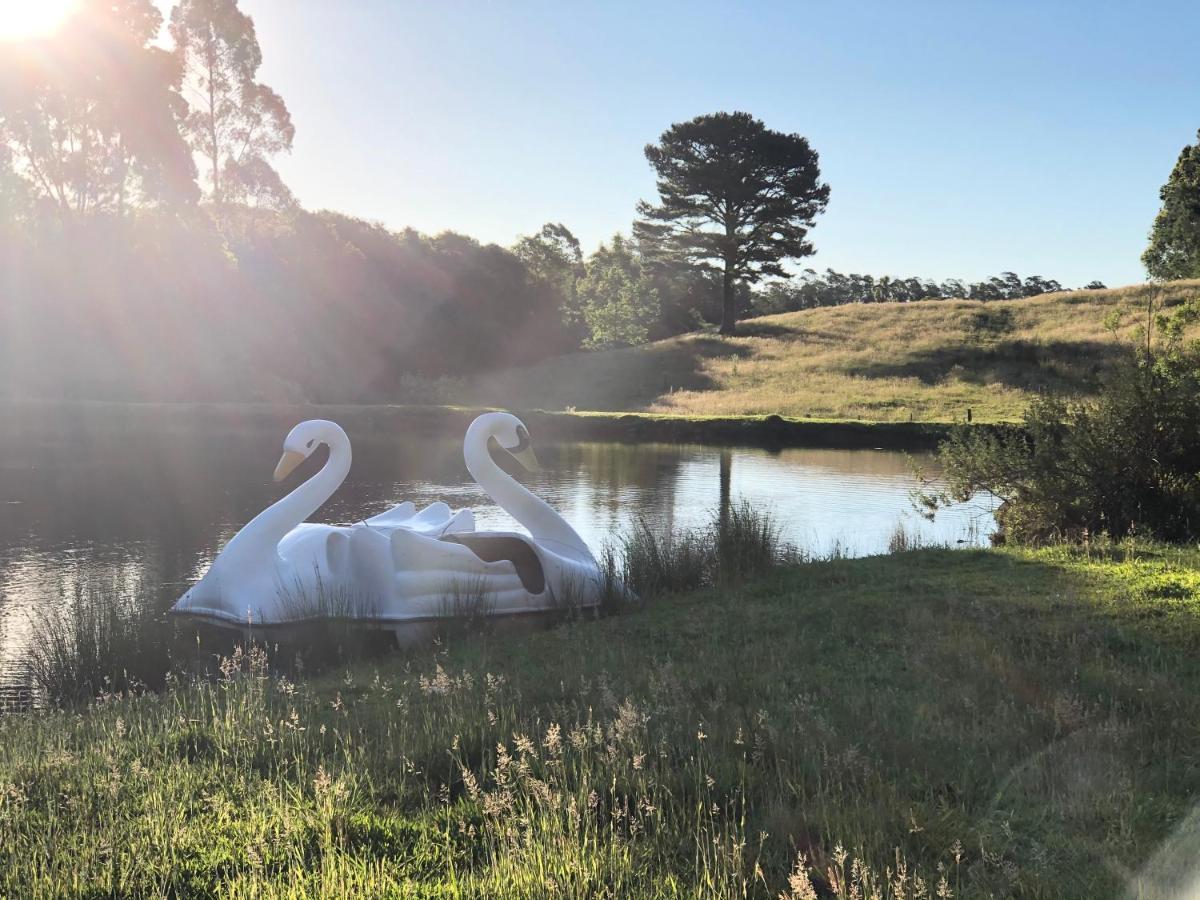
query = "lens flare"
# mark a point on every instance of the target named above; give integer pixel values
(22, 19)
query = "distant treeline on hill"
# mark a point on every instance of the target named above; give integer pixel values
(255, 304)
(832, 288)
(258, 306)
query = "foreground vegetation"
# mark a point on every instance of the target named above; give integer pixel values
(1121, 462)
(933, 723)
(888, 362)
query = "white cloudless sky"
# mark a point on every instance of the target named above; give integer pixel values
(959, 139)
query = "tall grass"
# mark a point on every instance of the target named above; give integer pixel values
(739, 542)
(826, 741)
(99, 640)
(436, 782)
(327, 623)
(901, 540)
(657, 562)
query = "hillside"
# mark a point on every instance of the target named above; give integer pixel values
(887, 362)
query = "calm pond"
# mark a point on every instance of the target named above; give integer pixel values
(153, 509)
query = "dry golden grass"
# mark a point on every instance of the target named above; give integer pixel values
(887, 362)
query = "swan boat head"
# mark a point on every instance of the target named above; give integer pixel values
(511, 435)
(302, 441)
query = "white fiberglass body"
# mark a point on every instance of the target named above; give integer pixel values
(402, 566)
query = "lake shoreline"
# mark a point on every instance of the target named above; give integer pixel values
(770, 431)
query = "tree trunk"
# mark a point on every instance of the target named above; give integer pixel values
(729, 302)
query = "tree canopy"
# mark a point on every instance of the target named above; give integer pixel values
(733, 195)
(235, 123)
(1174, 250)
(89, 119)
(618, 299)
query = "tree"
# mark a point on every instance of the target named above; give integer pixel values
(618, 298)
(235, 123)
(89, 118)
(734, 197)
(554, 256)
(1174, 250)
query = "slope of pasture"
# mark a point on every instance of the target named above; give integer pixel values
(925, 362)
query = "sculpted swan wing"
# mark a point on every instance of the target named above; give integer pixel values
(436, 518)
(398, 516)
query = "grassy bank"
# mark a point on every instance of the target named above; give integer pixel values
(877, 362)
(1010, 723)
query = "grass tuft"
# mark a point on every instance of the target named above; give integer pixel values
(99, 641)
(739, 542)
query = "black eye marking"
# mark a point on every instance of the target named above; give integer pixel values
(309, 444)
(522, 439)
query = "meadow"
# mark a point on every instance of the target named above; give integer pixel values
(934, 723)
(929, 361)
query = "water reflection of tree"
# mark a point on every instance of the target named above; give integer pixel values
(621, 477)
(726, 477)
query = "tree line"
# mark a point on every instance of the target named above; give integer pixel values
(810, 289)
(151, 249)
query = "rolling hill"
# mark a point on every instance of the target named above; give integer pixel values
(884, 362)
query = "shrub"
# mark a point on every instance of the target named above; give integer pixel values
(1126, 462)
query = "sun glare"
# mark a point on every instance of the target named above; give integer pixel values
(20, 19)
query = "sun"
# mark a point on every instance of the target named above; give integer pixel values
(21, 19)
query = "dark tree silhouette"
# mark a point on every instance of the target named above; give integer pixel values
(89, 118)
(1174, 250)
(554, 256)
(234, 122)
(734, 196)
(832, 288)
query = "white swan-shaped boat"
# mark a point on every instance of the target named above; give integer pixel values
(400, 568)
(279, 567)
(420, 577)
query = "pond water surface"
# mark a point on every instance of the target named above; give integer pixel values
(153, 510)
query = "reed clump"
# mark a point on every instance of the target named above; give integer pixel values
(740, 542)
(100, 639)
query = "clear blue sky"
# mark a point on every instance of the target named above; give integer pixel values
(959, 138)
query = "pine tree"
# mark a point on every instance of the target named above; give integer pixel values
(735, 197)
(1174, 250)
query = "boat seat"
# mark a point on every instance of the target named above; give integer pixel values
(497, 547)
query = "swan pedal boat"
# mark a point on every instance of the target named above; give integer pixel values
(404, 569)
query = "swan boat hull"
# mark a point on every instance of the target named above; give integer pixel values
(405, 580)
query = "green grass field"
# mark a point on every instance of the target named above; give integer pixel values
(890, 362)
(976, 723)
